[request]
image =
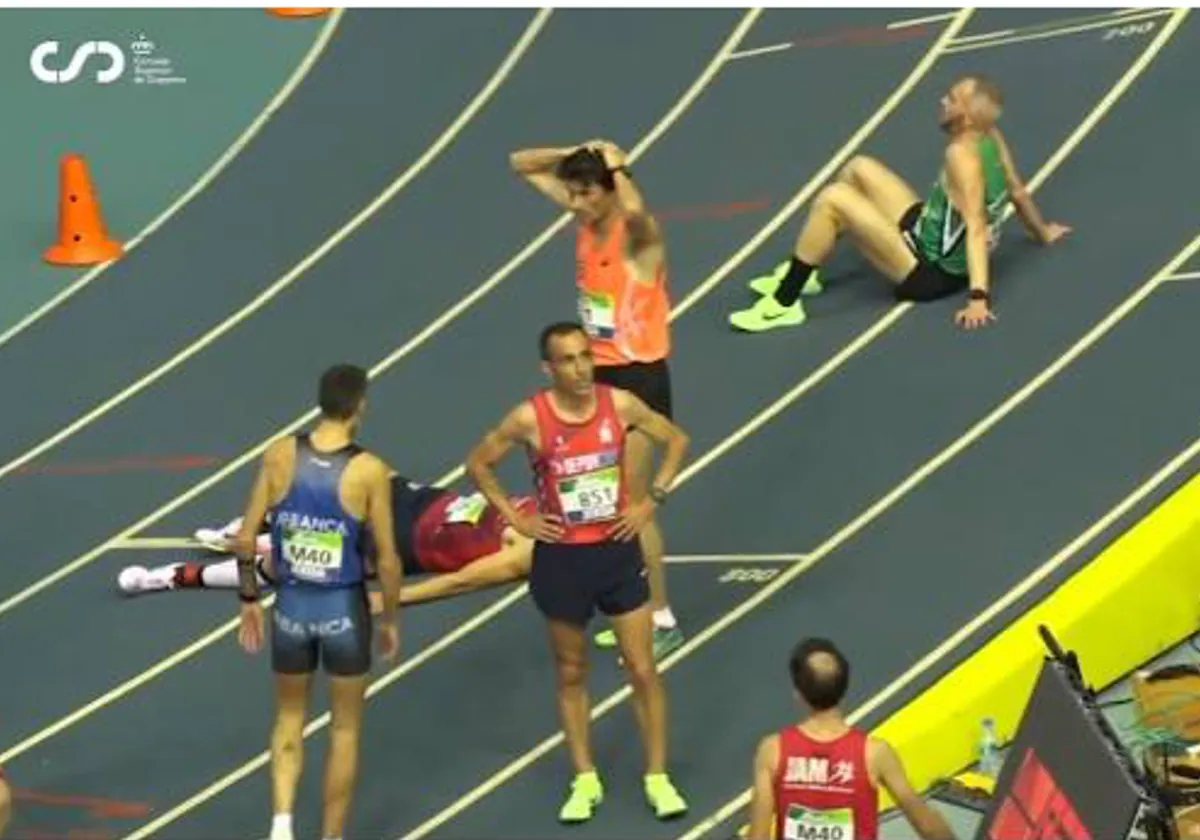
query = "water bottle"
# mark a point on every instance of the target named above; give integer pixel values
(989, 750)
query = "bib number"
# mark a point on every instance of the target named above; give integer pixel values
(598, 313)
(591, 497)
(466, 510)
(313, 555)
(806, 824)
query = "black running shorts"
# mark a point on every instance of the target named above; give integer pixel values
(570, 582)
(926, 282)
(650, 381)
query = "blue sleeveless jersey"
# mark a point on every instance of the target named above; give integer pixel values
(314, 540)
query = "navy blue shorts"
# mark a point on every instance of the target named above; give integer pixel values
(571, 582)
(311, 625)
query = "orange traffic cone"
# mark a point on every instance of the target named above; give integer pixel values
(82, 239)
(298, 12)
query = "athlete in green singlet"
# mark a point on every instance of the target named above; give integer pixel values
(929, 249)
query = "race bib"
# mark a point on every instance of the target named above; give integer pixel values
(598, 313)
(313, 555)
(466, 509)
(806, 824)
(591, 497)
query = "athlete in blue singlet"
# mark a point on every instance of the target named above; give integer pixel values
(323, 492)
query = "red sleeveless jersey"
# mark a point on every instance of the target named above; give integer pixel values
(577, 468)
(455, 530)
(823, 789)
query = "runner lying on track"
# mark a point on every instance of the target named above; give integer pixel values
(462, 542)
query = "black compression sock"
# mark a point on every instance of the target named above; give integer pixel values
(789, 290)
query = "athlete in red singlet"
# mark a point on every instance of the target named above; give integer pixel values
(623, 285)
(821, 777)
(456, 531)
(457, 543)
(587, 555)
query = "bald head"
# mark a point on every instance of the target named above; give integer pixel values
(986, 100)
(819, 673)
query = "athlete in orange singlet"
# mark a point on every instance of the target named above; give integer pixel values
(624, 303)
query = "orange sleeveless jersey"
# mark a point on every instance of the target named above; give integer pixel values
(626, 319)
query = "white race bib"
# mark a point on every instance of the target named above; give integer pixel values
(598, 312)
(466, 509)
(807, 824)
(312, 555)
(590, 497)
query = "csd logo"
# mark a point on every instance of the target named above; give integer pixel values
(109, 54)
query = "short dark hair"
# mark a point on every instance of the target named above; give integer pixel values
(585, 166)
(341, 390)
(555, 330)
(822, 684)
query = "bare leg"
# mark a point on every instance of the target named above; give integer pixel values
(866, 202)
(341, 768)
(890, 193)
(287, 741)
(570, 658)
(841, 209)
(635, 635)
(639, 461)
(5, 806)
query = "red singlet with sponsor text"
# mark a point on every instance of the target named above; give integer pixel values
(823, 789)
(577, 467)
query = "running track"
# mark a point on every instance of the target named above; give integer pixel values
(864, 399)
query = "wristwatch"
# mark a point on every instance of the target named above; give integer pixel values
(979, 294)
(658, 494)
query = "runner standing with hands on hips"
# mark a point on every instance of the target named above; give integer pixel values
(624, 303)
(585, 555)
(323, 492)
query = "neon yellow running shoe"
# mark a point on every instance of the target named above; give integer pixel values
(663, 797)
(586, 793)
(606, 639)
(768, 314)
(767, 284)
(666, 640)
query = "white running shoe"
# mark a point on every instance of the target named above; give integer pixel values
(212, 539)
(134, 580)
(218, 539)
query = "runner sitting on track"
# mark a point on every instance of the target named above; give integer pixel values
(624, 302)
(821, 776)
(929, 250)
(462, 542)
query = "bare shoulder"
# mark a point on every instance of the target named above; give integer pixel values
(280, 452)
(372, 466)
(961, 151)
(628, 405)
(766, 755)
(519, 424)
